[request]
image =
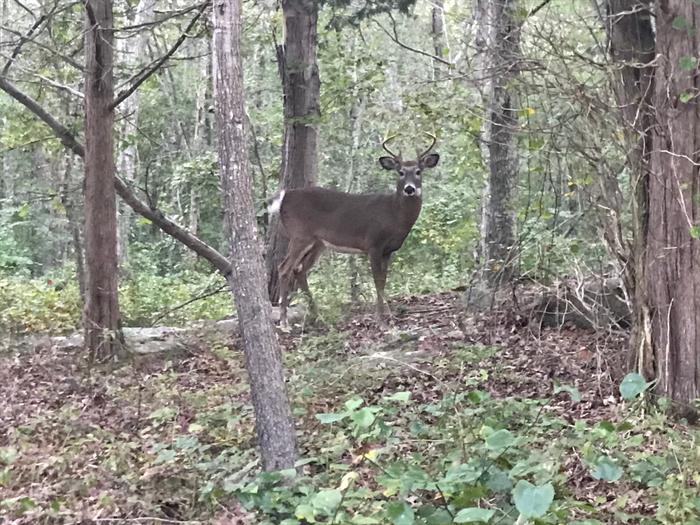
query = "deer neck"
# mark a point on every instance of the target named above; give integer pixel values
(408, 209)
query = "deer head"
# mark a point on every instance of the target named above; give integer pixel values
(408, 183)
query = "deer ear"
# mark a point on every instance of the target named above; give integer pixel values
(388, 163)
(430, 161)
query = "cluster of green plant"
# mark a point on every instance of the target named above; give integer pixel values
(469, 458)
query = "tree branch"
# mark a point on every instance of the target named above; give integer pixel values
(123, 95)
(395, 38)
(169, 227)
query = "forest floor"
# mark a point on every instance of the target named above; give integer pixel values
(392, 420)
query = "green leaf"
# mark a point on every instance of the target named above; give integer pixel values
(353, 404)
(364, 520)
(331, 418)
(532, 501)
(688, 63)
(695, 232)
(8, 455)
(500, 440)
(401, 397)
(632, 385)
(606, 469)
(306, 512)
(571, 390)
(686, 97)
(327, 501)
(364, 418)
(474, 515)
(401, 513)
(680, 23)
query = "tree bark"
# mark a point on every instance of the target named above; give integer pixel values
(102, 322)
(301, 90)
(273, 417)
(440, 47)
(673, 244)
(499, 40)
(632, 47)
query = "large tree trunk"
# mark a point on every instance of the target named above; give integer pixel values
(273, 417)
(301, 89)
(499, 40)
(102, 323)
(673, 244)
(632, 48)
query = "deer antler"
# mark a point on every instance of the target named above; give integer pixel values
(431, 145)
(384, 145)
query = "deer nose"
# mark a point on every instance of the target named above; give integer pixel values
(409, 190)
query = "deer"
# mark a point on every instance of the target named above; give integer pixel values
(374, 224)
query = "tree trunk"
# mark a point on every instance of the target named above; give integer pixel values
(632, 47)
(73, 224)
(499, 40)
(273, 417)
(102, 323)
(301, 89)
(673, 228)
(439, 37)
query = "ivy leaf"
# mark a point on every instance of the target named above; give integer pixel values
(695, 232)
(632, 385)
(474, 515)
(500, 440)
(401, 513)
(363, 418)
(305, 512)
(606, 469)
(327, 501)
(532, 501)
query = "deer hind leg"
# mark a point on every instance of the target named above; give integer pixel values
(379, 263)
(298, 250)
(302, 271)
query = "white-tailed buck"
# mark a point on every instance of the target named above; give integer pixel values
(373, 223)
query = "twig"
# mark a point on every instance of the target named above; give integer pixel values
(188, 302)
(145, 75)
(395, 38)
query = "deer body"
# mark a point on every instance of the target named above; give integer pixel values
(375, 224)
(332, 218)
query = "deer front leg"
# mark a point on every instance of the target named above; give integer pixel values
(380, 266)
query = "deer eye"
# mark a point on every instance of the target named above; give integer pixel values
(418, 173)
(402, 173)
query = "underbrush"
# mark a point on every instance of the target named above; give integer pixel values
(417, 426)
(52, 304)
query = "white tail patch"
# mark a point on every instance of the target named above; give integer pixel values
(276, 204)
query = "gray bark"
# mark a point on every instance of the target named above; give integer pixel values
(498, 41)
(273, 417)
(102, 322)
(301, 88)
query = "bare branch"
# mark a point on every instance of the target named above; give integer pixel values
(123, 95)
(395, 38)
